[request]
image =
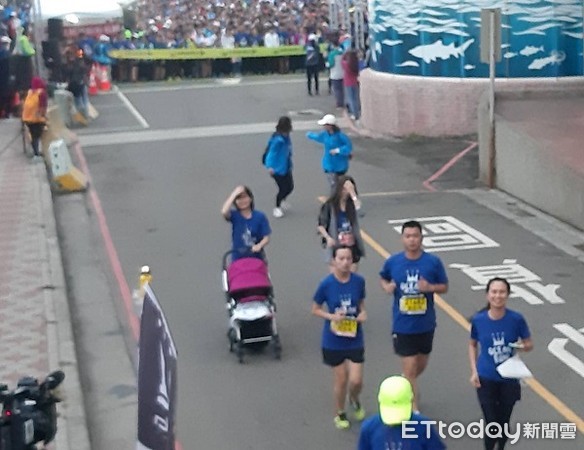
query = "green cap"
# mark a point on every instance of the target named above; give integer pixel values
(128, 33)
(395, 400)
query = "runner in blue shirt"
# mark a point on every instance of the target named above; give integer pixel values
(250, 228)
(343, 292)
(496, 334)
(397, 427)
(412, 277)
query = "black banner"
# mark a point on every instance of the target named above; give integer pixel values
(157, 379)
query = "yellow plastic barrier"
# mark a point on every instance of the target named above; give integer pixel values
(209, 53)
(65, 175)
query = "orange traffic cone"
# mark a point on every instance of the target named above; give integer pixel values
(92, 81)
(104, 82)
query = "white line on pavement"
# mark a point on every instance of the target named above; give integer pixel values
(132, 108)
(182, 87)
(186, 133)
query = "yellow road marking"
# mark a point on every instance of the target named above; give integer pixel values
(535, 385)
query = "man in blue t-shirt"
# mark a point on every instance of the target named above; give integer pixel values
(397, 427)
(343, 293)
(413, 277)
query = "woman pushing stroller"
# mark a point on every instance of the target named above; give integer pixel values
(250, 228)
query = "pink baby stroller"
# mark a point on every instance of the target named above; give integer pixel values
(250, 302)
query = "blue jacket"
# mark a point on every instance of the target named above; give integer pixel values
(279, 157)
(338, 163)
(100, 54)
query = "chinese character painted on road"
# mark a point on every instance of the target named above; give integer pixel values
(446, 233)
(557, 347)
(526, 284)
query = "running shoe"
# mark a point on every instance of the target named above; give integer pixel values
(341, 421)
(358, 410)
(278, 213)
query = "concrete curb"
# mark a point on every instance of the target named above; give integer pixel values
(363, 132)
(74, 434)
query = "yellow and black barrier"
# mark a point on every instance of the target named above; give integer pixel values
(209, 53)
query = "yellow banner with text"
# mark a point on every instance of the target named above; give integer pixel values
(208, 53)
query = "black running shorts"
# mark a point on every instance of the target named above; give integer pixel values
(335, 358)
(413, 344)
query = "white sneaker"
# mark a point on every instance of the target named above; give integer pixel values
(285, 206)
(278, 213)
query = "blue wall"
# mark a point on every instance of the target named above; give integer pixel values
(442, 37)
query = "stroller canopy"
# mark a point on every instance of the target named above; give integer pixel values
(248, 273)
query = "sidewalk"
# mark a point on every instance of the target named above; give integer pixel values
(36, 335)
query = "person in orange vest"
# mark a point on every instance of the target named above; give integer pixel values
(34, 112)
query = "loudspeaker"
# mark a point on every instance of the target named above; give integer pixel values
(52, 52)
(55, 29)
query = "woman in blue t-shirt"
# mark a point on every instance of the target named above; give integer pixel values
(250, 228)
(496, 334)
(343, 349)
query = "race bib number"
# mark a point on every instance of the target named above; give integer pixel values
(414, 304)
(346, 327)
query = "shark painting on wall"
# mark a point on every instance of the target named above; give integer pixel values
(540, 38)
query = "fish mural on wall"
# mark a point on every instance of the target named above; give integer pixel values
(540, 38)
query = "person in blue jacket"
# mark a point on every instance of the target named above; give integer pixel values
(398, 426)
(337, 149)
(496, 333)
(279, 163)
(101, 51)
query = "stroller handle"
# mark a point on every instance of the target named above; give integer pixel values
(243, 251)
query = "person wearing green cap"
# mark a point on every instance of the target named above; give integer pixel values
(343, 348)
(397, 426)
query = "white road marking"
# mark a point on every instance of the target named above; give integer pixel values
(446, 233)
(134, 137)
(132, 108)
(215, 85)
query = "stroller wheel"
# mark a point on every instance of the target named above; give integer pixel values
(231, 337)
(239, 352)
(277, 348)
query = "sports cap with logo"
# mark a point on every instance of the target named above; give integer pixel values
(328, 119)
(395, 400)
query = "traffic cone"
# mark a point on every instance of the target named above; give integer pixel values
(92, 82)
(104, 82)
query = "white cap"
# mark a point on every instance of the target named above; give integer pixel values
(328, 119)
(312, 37)
(104, 38)
(145, 269)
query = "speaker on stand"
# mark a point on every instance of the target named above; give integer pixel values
(55, 29)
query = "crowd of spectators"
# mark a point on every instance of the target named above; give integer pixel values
(15, 52)
(242, 23)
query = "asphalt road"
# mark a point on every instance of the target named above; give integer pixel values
(161, 199)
